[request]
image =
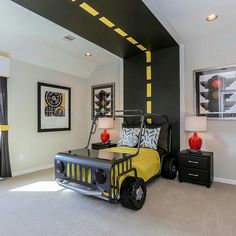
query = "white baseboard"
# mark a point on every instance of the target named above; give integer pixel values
(28, 171)
(225, 181)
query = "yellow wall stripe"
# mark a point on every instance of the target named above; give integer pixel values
(105, 21)
(149, 73)
(149, 90)
(120, 32)
(89, 9)
(149, 83)
(149, 106)
(148, 57)
(132, 40)
(4, 127)
(141, 47)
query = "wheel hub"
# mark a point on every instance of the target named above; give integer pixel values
(139, 194)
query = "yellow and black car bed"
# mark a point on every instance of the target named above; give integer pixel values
(119, 173)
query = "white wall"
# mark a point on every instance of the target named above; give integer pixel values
(30, 150)
(108, 73)
(220, 138)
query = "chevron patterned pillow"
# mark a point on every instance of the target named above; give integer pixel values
(129, 137)
(150, 138)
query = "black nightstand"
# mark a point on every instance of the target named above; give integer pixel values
(196, 168)
(98, 146)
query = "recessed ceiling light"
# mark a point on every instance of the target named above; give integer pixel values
(212, 17)
(87, 54)
(73, 0)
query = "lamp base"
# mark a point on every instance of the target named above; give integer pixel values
(194, 151)
(195, 142)
(105, 136)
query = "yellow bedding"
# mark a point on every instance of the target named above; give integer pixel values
(147, 162)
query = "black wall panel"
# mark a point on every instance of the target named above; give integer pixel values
(134, 82)
(165, 87)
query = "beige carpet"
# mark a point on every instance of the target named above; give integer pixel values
(33, 205)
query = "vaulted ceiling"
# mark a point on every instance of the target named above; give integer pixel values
(123, 27)
(28, 37)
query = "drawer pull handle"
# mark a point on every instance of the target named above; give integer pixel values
(193, 175)
(193, 162)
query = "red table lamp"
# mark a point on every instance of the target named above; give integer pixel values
(194, 124)
(105, 123)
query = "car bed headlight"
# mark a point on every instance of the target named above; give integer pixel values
(100, 176)
(60, 167)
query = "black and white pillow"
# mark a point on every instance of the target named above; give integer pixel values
(150, 138)
(129, 137)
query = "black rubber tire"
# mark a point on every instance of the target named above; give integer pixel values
(128, 193)
(169, 168)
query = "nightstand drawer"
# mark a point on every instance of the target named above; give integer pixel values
(194, 175)
(194, 162)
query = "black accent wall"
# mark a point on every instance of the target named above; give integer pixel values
(165, 86)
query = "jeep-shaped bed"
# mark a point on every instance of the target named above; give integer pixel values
(112, 176)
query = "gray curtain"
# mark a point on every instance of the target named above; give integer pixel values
(5, 167)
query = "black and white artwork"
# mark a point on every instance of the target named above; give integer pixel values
(103, 99)
(216, 92)
(54, 107)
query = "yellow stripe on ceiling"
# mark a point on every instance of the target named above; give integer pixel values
(149, 90)
(107, 22)
(4, 127)
(149, 72)
(110, 24)
(89, 9)
(148, 56)
(149, 106)
(132, 40)
(141, 47)
(120, 32)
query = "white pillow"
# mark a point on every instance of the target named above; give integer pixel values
(150, 138)
(129, 137)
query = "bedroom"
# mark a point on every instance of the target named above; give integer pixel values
(39, 52)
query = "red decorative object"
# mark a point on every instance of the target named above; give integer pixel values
(195, 142)
(216, 84)
(105, 136)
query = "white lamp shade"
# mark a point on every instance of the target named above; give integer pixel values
(196, 123)
(4, 66)
(105, 123)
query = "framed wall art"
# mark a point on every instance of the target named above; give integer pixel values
(103, 99)
(216, 92)
(54, 108)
